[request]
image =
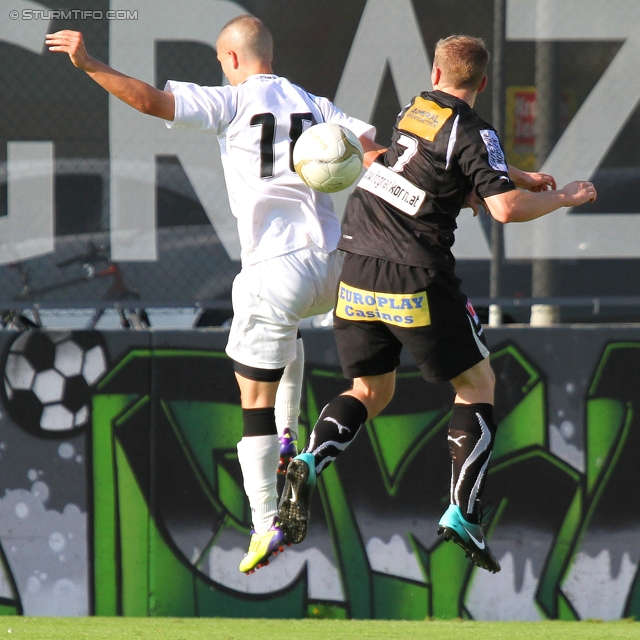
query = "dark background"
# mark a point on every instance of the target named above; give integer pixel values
(42, 97)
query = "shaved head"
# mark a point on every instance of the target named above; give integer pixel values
(249, 38)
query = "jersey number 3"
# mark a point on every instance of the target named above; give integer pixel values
(268, 138)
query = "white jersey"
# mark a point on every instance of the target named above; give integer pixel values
(255, 123)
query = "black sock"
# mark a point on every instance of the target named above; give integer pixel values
(259, 422)
(336, 427)
(471, 436)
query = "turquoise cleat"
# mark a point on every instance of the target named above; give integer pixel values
(469, 536)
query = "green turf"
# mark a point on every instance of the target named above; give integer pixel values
(244, 629)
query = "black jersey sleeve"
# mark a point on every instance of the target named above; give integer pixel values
(482, 159)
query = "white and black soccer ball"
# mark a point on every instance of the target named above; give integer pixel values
(48, 379)
(328, 157)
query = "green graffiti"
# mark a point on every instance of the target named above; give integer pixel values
(138, 569)
(411, 433)
(145, 434)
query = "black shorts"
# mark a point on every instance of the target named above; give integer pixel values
(382, 306)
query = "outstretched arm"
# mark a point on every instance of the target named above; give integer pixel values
(137, 94)
(521, 206)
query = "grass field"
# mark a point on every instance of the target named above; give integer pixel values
(250, 629)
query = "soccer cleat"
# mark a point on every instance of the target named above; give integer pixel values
(295, 503)
(469, 536)
(262, 547)
(288, 451)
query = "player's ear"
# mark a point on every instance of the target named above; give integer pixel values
(483, 84)
(436, 74)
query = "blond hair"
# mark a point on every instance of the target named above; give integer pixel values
(463, 61)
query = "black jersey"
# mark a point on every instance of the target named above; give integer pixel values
(405, 207)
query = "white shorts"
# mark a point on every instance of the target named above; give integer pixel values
(271, 297)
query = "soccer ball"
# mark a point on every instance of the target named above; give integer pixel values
(328, 157)
(48, 379)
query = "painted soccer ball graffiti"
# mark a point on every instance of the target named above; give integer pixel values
(328, 157)
(48, 377)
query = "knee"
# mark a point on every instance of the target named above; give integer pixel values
(487, 378)
(378, 399)
(374, 395)
(477, 384)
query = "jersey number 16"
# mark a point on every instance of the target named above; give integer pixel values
(268, 137)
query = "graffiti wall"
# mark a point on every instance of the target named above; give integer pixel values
(121, 493)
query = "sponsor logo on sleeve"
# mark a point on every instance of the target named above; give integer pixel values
(472, 312)
(474, 316)
(399, 309)
(496, 155)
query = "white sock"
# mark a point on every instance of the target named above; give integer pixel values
(289, 392)
(259, 457)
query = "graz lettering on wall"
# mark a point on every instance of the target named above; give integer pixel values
(389, 36)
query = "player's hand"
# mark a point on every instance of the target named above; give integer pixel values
(70, 42)
(474, 202)
(533, 181)
(371, 150)
(578, 193)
